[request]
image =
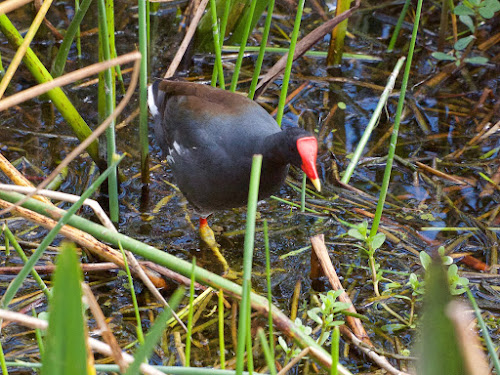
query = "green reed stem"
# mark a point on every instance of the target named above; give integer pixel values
(492, 349)
(2, 70)
(109, 93)
(217, 47)
(303, 193)
(137, 313)
(373, 122)
(338, 35)
(143, 92)
(289, 62)
(247, 261)
(244, 38)
(78, 39)
(269, 288)
(248, 335)
(222, 346)
(262, 49)
(19, 279)
(223, 25)
(335, 350)
(24, 258)
(7, 242)
(397, 121)
(3, 364)
(59, 99)
(190, 315)
(116, 70)
(73, 29)
(395, 33)
(268, 352)
(38, 336)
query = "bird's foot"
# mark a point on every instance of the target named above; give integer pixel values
(207, 235)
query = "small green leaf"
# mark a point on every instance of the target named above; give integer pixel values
(335, 323)
(314, 316)
(492, 5)
(283, 344)
(447, 260)
(462, 43)
(443, 56)
(467, 21)
(425, 259)
(486, 13)
(378, 241)
(354, 232)
(475, 3)
(341, 105)
(462, 10)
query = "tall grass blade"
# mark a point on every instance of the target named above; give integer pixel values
(262, 50)
(10, 236)
(73, 30)
(336, 47)
(154, 333)
(373, 122)
(289, 62)
(397, 28)
(397, 122)
(247, 261)
(137, 313)
(78, 39)
(268, 353)
(269, 290)
(190, 315)
(222, 35)
(65, 347)
(222, 346)
(109, 95)
(334, 352)
(439, 346)
(143, 95)
(219, 73)
(243, 43)
(3, 364)
(492, 348)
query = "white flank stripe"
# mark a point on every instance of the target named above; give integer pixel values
(151, 102)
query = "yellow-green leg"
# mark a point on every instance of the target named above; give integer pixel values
(207, 235)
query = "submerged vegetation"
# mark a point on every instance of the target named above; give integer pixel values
(373, 273)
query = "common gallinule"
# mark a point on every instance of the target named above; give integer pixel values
(209, 136)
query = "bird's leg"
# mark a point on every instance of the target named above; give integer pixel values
(207, 235)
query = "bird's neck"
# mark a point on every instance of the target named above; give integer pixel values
(275, 149)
